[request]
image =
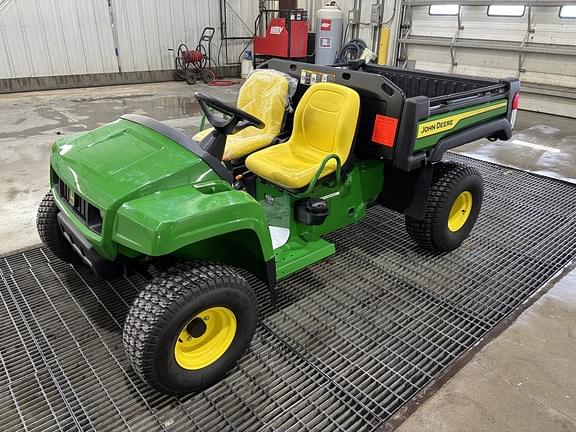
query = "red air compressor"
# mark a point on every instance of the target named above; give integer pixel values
(286, 36)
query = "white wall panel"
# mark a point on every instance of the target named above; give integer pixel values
(72, 36)
(148, 30)
(16, 46)
(67, 37)
(55, 37)
(57, 50)
(96, 32)
(5, 61)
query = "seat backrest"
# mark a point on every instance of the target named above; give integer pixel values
(264, 95)
(325, 120)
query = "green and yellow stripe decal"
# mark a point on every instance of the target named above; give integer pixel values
(433, 129)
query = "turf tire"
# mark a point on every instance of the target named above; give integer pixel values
(50, 232)
(448, 181)
(181, 290)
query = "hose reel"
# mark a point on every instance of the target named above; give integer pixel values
(194, 64)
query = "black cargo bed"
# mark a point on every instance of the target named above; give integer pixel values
(430, 84)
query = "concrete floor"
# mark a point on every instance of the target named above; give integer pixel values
(542, 144)
(522, 381)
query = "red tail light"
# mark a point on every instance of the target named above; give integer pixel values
(516, 101)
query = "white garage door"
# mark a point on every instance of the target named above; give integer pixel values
(533, 40)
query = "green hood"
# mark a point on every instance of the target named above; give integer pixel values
(123, 160)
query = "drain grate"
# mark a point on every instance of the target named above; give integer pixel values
(354, 338)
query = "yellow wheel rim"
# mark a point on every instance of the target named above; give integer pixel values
(460, 211)
(205, 338)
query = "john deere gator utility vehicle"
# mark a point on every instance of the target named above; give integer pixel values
(258, 192)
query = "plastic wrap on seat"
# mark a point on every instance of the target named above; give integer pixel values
(266, 95)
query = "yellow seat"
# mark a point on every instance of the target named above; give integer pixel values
(265, 96)
(324, 123)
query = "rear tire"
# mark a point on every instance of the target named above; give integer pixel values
(50, 232)
(454, 203)
(189, 326)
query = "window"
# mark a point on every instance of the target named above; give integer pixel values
(506, 10)
(444, 9)
(568, 11)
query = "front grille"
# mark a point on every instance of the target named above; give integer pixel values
(88, 213)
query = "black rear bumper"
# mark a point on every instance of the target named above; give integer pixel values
(102, 267)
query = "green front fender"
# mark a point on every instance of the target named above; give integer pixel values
(173, 220)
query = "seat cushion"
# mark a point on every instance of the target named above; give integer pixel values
(264, 95)
(240, 144)
(280, 165)
(324, 125)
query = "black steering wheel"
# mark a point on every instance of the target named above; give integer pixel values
(238, 119)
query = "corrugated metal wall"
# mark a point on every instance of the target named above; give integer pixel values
(55, 37)
(149, 29)
(69, 37)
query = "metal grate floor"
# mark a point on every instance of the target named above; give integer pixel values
(354, 339)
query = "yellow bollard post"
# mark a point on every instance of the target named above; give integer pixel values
(383, 48)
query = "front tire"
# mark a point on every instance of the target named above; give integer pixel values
(189, 326)
(50, 232)
(454, 203)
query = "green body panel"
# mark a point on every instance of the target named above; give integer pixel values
(347, 204)
(432, 140)
(156, 196)
(123, 159)
(166, 221)
(299, 253)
